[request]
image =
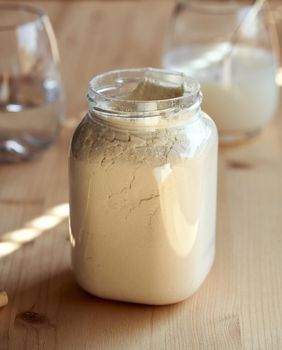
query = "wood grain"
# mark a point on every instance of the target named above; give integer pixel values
(240, 304)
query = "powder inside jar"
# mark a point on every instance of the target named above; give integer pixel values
(150, 90)
(142, 207)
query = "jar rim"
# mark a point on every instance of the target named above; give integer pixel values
(102, 83)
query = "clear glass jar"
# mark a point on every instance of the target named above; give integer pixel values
(227, 46)
(143, 191)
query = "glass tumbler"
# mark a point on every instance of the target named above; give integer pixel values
(227, 46)
(31, 97)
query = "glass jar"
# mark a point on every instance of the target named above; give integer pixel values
(143, 191)
(232, 57)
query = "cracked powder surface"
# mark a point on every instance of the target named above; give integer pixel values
(136, 199)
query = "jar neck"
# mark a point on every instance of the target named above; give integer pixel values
(105, 102)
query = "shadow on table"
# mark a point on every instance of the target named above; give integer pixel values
(75, 319)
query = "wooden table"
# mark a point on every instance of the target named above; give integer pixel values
(240, 304)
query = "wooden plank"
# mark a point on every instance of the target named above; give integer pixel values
(238, 307)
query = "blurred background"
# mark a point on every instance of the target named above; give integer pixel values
(96, 36)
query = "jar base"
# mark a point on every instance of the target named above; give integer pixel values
(152, 300)
(234, 137)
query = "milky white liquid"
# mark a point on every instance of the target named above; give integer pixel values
(241, 94)
(143, 213)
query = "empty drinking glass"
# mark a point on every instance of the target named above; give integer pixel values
(31, 96)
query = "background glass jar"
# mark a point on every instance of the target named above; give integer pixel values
(227, 47)
(31, 94)
(143, 191)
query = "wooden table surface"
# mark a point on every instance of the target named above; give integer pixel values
(240, 304)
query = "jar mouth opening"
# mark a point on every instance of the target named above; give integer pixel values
(106, 91)
(16, 15)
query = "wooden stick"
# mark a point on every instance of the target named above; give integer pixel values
(3, 298)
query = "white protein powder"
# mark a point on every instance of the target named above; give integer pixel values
(142, 214)
(143, 204)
